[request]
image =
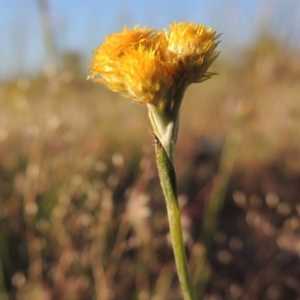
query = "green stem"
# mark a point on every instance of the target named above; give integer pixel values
(165, 119)
(168, 182)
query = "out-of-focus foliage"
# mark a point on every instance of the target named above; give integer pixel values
(81, 210)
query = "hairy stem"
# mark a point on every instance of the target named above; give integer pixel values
(165, 120)
(168, 182)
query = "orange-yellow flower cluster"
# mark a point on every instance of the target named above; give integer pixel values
(147, 65)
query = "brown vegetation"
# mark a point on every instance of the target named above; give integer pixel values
(81, 210)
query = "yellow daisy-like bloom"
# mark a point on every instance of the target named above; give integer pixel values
(191, 50)
(146, 65)
(131, 63)
(143, 76)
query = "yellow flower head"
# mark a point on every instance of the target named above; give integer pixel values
(131, 63)
(191, 50)
(146, 65)
(143, 76)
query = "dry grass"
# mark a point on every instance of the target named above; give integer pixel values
(81, 210)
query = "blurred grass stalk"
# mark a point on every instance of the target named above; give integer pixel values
(98, 248)
(34, 242)
(3, 292)
(49, 40)
(216, 199)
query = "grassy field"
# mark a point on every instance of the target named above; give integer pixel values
(82, 214)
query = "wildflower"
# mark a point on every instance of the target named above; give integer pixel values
(130, 63)
(147, 66)
(154, 68)
(191, 50)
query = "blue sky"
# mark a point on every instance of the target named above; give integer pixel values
(81, 25)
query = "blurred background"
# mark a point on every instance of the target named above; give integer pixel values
(82, 214)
